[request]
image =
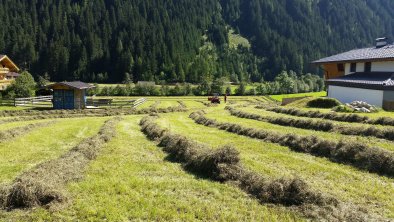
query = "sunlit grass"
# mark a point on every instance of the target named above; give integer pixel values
(133, 181)
(372, 141)
(313, 94)
(23, 153)
(341, 181)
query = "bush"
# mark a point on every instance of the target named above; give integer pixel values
(342, 109)
(323, 103)
(24, 86)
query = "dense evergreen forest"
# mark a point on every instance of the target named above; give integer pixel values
(184, 41)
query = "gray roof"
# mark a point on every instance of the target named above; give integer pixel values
(366, 54)
(1, 56)
(367, 80)
(75, 85)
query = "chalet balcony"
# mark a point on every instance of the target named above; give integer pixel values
(6, 81)
(4, 70)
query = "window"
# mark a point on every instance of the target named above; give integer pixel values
(368, 67)
(341, 67)
(353, 67)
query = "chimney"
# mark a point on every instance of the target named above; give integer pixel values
(381, 42)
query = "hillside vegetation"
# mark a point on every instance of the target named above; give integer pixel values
(110, 41)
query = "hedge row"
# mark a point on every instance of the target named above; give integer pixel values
(59, 114)
(351, 118)
(44, 184)
(19, 131)
(319, 125)
(223, 165)
(373, 159)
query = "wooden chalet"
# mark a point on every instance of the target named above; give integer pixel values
(8, 72)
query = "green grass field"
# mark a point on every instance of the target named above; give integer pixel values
(314, 94)
(133, 179)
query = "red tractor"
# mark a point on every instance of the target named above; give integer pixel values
(214, 99)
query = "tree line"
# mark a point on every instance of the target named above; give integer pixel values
(167, 41)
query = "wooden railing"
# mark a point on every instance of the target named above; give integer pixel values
(40, 102)
(139, 102)
(4, 70)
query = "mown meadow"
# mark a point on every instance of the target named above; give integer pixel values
(180, 158)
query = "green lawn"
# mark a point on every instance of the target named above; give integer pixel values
(23, 153)
(344, 182)
(132, 181)
(373, 141)
(2, 108)
(314, 94)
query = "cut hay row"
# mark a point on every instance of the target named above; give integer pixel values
(44, 184)
(319, 125)
(154, 105)
(108, 111)
(207, 104)
(359, 155)
(182, 104)
(351, 118)
(93, 113)
(19, 131)
(224, 165)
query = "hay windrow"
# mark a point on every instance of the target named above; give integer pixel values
(351, 118)
(44, 184)
(19, 131)
(61, 114)
(207, 104)
(224, 165)
(359, 155)
(319, 125)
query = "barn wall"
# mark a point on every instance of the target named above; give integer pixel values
(332, 71)
(387, 66)
(388, 95)
(79, 99)
(348, 95)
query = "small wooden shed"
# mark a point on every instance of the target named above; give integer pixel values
(69, 95)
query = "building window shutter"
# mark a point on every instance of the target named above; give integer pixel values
(368, 67)
(341, 67)
(353, 67)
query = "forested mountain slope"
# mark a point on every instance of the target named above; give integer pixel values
(291, 33)
(186, 40)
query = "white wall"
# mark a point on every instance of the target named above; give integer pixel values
(383, 66)
(387, 66)
(348, 95)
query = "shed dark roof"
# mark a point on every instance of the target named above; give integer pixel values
(75, 85)
(373, 53)
(366, 80)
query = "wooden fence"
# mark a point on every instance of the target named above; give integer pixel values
(46, 102)
(35, 102)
